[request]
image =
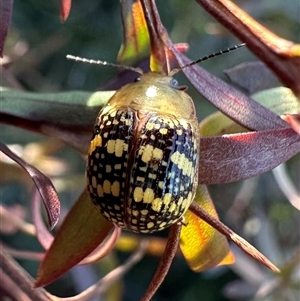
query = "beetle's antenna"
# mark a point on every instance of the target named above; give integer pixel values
(103, 63)
(174, 71)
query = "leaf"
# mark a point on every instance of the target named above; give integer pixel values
(136, 44)
(279, 100)
(203, 246)
(66, 109)
(161, 58)
(6, 8)
(43, 184)
(252, 77)
(229, 158)
(65, 7)
(81, 232)
(294, 121)
(244, 110)
(281, 56)
(239, 241)
(233, 103)
(68, 116)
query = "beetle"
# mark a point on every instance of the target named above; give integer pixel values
(142, 166)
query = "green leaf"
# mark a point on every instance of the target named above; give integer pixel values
(82, 231)
(202, 245)
(75, 108)
(68, 116)
(136, 44)
(279, 100)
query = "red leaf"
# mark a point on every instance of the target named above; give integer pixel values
(281, 56)
(233, 103)
(237, 157)
(82, 231)
(43, 184)
(65, 7)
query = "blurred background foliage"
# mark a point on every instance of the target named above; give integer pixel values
(36, 50)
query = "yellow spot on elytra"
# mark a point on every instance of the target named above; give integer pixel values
(167, 199)
(135, 212)
(99, 191)
(94, 182)
(144, 212)
(96, 142)
(144, 169)
(138, 194)
(119, 147)
(150, 126)
(140, 179)
(107, 168)
(118, 166)
(147, 153)
(157, 126)
(111, 146)
(184, 203)
(117, 207)
(106, 186)
(156, 204)
(106, 214)
(161, 184)
(115, 188)
(163, 131)
(150, 225)
(179, 201)
(172, 207)
(157, 154)
(148, 196)
(134, 221)
(161, 225)
(181, 161)
(152, 176)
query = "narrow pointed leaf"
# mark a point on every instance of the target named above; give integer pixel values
(239, 241)
(294, 121)
(161, 59)
(6, 8)
(279, 100)
(43, 184)
(136, 44)
(236, 157)
(81, 232)
(68, 116)
(165, 262)
(66, 109)
(281, 56)
(233, 103)
(65, 7)
(252, 77)
(203, 246)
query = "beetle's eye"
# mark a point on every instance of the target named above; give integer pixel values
(137, 79)
(174, 82)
